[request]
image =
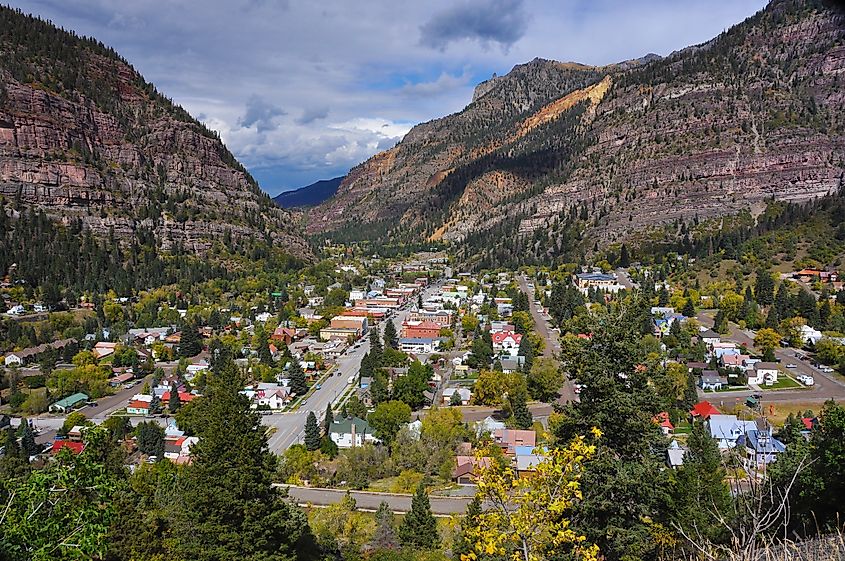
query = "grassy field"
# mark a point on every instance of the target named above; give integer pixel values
(784, 382)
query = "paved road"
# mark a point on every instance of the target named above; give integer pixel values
(290, 427)
(442, 506)
(826, 385)
(544, 329)
(625, 279)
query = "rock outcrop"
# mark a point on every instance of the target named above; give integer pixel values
(83, 136)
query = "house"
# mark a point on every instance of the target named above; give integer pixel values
(727, 429)
(712, 380)
(586, 281)
(662, 420)
(675, 455)
(703, 410)
(488, 425)
(13, 359)
(463, 393)
(140, 404)
(505, 342)
(419, 346)
(68, 403)
(709, 337)
(178, 449)
(30, 354)
(512, 364)
(509, 439)
(121, 379)
(809, 335)
(467, 469)
(734, 361)
(693, 366)
(764, 373)
(184, 397)
(527, 458)
(75, 448)
(761, 448)
(350, 433)
(284, 335)
(266, 395)
(343, 333)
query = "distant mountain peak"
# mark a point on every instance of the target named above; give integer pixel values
(310, 195)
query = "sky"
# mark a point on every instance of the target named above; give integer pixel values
(304, 90)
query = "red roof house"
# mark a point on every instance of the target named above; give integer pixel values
(184, 397)
(704, 409)
(74, 447)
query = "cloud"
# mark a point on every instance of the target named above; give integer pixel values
(485, 21)
(311, 114)
(261, 114)
(445, 82)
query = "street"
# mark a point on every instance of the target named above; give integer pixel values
(366, 500)
(290, 427)
(826, 386)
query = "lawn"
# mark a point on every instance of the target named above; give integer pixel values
(784, 382)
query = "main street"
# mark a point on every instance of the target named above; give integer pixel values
(826, 386)
(550, 336)
(367, 500)
(290, 426)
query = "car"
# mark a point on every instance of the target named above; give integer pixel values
(827, 369)
(91, 403)
(318, 386)
(805, 379)
(790, 365)
(757, 395)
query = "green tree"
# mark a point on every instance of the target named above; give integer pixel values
(521, 415)
(312, 432)
(764, 288)
(387, 418)
(28, 444)
(545, 379)
(328, 419)
(391, 339)
(150, 439)
(376, 350)
(689, 308)
(190, 341)
(229, 508)
(464, 540)
(720, 323)
(526, 350)
(455, 400)
(419, 527)
(298, 386)
(385, 534)
(173, 399)
(411, 387)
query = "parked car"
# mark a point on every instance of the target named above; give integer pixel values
(805, 379)
(827, 369)
(790, 365)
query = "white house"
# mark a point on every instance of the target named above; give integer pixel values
(763, 373)
(418, 346)
(506, 342)
(13, 359)
(809, 335)
(349, 433)
(727, 429)
(464, 394)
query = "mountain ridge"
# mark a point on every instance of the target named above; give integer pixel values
(710, 130)
(310, 195)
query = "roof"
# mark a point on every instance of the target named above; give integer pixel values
(71, 400)
(729, 427)
(766, 366)
(138, 404)
(500, 336)
(344, 426)
(762, 442)
(596, 276)
(74, 447)
(184, 397)
(704, 409)
(416, 341)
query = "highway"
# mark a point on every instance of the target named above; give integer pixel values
(290, 426)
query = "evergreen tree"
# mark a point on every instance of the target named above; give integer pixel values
(521, 415)
(15, 461)
(764, 288)
(229, 508)
(150, 439)
(526, 350)
(391, 339)
(312, 432)
(190, 341)
(173, 400)
(263, 344)
(28, 445)
(464, 541)
(385, 534)
(720, 323)
(624, 258)
(781, 303)
(328, 419)
(689, 308)
(298, 386)
(376, 349)
(419, 527)
(772, 319)
(379, 391)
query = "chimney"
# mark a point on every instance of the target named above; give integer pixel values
(352, 424)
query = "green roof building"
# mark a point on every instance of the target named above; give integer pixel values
(68, 403)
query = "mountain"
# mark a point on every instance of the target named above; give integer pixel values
(310, 195)
(555, 159)
(87, 141)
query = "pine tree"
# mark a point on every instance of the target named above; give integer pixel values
(328, 420)
(28, 445)
(764, 288)
(190, 341)
(521, 415)
(419, 527)
(229, 508)
(464, 542)
(385, 534)
(312, 432)
(391, 339)
(298, 386)
(624, 258)
(720, 323)
(526, 350)
(376, 349)
(689, 308)
(173, 400)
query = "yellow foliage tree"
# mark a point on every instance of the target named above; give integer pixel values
(526, 517)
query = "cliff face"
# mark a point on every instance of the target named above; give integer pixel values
(613, 153)
(83, 136)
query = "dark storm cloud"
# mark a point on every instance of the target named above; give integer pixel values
(261, 114)
(486, 21)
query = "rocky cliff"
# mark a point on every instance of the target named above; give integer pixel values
(555, 158)
(84, 136)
